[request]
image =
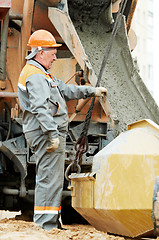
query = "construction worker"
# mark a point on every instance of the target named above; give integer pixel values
(43, 98)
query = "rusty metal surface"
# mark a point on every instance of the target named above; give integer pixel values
(64, 26)
(3, 53)
(26, 27)
(131, 14)
(97, 115)
(5, 5)
(15, 38)
(17, 6)
(50, 3)
(131, 5)
(44, 22)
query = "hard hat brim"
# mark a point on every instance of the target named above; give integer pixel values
(57, 45)
(46, 46)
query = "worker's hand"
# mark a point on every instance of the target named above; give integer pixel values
(100, 92)
(54, 143)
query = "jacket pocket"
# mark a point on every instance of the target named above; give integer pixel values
(54, 106)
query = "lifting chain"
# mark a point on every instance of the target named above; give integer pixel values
(81, 146)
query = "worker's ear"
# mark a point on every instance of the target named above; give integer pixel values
(40, 54)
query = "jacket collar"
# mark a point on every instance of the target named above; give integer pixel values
(38, 65)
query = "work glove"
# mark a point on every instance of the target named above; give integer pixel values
(54, 143)
(100, 92)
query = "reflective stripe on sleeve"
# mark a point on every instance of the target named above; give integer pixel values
(21, 86)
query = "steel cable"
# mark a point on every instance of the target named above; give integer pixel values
(105, 59)
(81, 146)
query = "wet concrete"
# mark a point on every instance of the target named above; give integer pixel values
(127, 94)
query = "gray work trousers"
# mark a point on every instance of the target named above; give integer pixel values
(49, 179)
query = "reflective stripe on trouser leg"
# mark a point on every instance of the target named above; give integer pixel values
(49, 181)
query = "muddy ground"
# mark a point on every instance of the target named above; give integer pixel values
(17, 229)
(14, 226)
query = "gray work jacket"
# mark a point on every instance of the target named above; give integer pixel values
(43, 99)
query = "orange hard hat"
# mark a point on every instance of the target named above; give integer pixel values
(42, 38)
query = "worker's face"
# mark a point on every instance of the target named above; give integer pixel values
(49, 57)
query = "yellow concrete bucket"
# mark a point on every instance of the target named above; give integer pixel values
(116, 196)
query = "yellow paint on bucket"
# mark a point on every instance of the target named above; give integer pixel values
(117, 196)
